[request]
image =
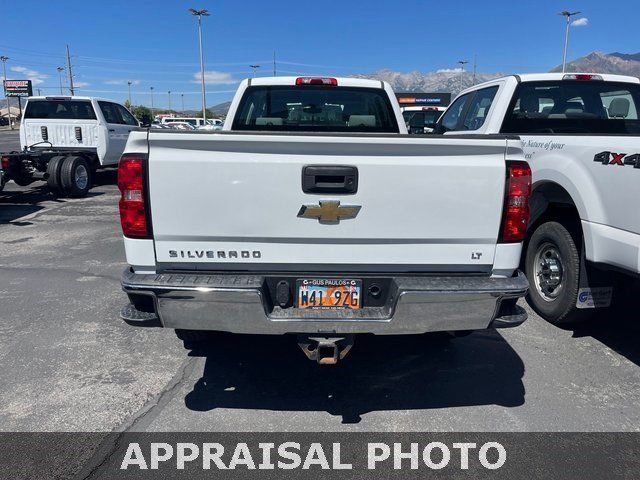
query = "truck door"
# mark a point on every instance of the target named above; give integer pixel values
(119, 123)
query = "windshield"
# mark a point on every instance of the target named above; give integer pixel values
(315, 108)
(60, 109)
(593, 107)
(428, 117)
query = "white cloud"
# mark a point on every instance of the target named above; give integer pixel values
(81, 84)
(449, 70)
(213, 77)
(581, 22)
(36, 77)
(121, 82)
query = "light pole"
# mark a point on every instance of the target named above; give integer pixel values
(462, 63)
(567, 14)
(182, 98)
(60, 70)
(200, 14)
(152, 117)
(129, 85)
(4, 59)
(169, 92)
(255, 67)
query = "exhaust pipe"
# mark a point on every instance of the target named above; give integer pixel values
(326, 350)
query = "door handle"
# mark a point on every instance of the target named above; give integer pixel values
(330, 179)
(112, 129)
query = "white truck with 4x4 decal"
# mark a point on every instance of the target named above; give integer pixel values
(581, 135)
(314, 213)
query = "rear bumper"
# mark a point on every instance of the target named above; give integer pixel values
(241, 304)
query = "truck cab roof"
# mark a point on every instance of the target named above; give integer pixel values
(547, 77)
(70, 97)
(341, 81)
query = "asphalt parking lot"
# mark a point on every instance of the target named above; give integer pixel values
(70, 364)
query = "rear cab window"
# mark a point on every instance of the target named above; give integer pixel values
(60, 109)
(315, 108)
(574, 107)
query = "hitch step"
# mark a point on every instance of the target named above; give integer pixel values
(325, 350)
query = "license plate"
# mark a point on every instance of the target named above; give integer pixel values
(326, 293)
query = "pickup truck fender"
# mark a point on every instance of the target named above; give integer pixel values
(560, 171)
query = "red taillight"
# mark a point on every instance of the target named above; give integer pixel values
(515, 217)
(317, 81)
(4, 162)
(133, 210)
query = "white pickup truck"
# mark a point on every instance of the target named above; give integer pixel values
(312, 214)
(581, 135)
(64, 140)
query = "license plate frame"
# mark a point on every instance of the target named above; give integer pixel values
(325, 297)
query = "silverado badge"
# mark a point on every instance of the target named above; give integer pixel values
(329, 211)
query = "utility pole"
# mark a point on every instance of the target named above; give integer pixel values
(4, 59)
(169, 92)
(129, 85)
(152, 116)
(462, 64)
(274, 63)
(475, 66)
(255, 67)
(200, 14)
(38, 91)
(70, 72)
(567, 14)
(60, 70)
(182, 98)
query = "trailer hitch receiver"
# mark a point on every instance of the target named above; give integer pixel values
(325, 350)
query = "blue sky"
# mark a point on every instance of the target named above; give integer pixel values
(154, 43)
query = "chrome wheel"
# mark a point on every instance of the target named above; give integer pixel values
(81, 177)
(548, 274)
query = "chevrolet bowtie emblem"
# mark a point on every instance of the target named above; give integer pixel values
(329, 211)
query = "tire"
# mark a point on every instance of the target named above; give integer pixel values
(23, 181)
(193, 338)
(53, 174)
(75, 176)
(552, 266)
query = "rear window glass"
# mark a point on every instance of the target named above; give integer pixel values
(567, 107)
(60, 109)
(315, 108)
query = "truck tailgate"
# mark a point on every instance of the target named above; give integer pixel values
(61, 133)
(233, 201)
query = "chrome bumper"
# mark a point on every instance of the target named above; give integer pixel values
(241, 304)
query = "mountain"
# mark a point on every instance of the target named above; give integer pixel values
(598, 62)
(455, 80)
(452, 81)
(220, 109)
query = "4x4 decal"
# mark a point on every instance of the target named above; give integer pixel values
(621, 159)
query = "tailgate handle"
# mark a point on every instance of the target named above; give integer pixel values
(329, 179)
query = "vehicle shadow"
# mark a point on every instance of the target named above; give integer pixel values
(17, 202)
(380, 373)
(619, 328)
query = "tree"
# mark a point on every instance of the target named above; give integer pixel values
(127, 105)
(143, 114)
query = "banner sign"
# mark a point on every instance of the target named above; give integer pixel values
(18, 88)
(417, 99)
(325, 456)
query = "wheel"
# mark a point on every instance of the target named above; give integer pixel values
(552, 265)
(53, 174)
(193, 338)
(75, 176)
(23, 181)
